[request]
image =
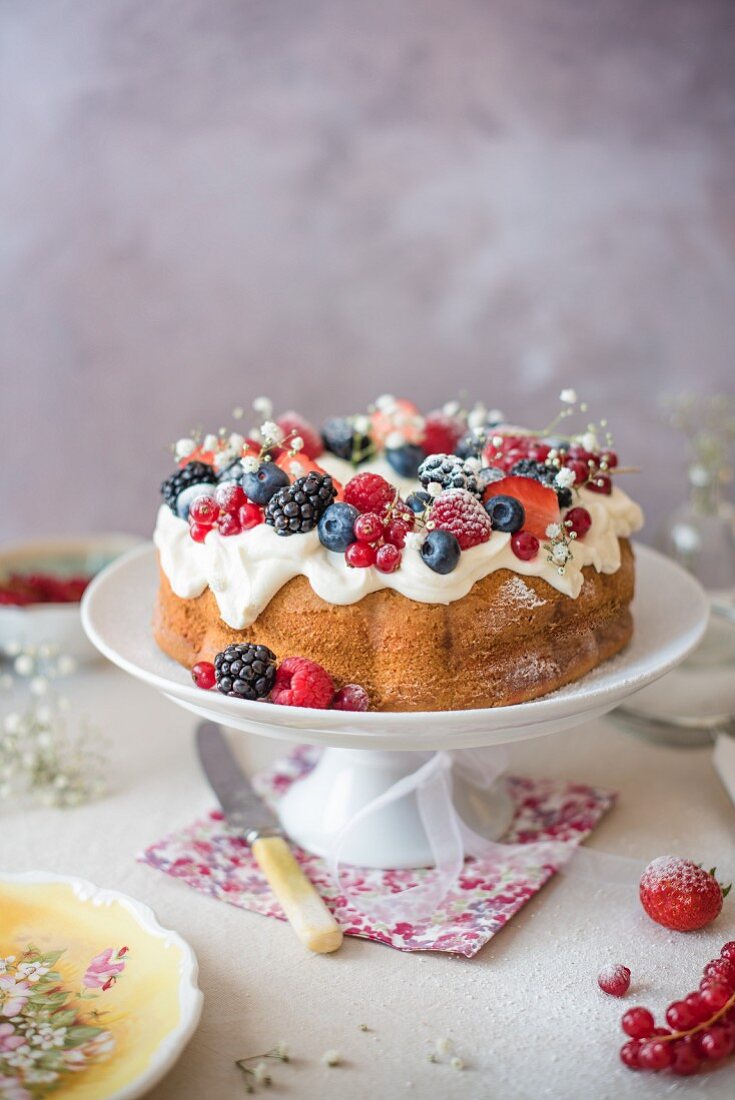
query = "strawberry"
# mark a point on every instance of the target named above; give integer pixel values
(294, 424)
(680, 894)
(442, 433)
(540, 503)
(299, 465)
(397, 416)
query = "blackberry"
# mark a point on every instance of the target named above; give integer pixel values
(539, 471)
(339, 437)
(449, 472)
(245, 671)
(194, 473)
(297, 508)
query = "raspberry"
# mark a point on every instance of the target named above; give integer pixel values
(614, 980)
(462, 514)
(369, 493)
(351, 697)
(302, 683)
(442, 433)
(203, 675)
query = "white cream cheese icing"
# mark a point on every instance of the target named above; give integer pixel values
(245, 571)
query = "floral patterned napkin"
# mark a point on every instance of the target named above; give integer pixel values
(207, 856)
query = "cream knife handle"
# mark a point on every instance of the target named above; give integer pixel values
(305, 911)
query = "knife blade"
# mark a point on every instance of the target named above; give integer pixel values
(245, 811)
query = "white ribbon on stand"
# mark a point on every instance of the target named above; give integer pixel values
(451, 840)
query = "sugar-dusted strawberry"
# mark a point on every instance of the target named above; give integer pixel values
(294, 425)
(460, 513)
(396, 417)
(442, 433)
(299, 465)
(370, 493)
(540, 503)
(680, 894)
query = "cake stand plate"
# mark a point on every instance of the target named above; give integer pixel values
(367, 752)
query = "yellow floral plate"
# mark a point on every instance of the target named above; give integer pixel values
(97, 1001)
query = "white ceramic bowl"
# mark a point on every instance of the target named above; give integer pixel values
(57, 624)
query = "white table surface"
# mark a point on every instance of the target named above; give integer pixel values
(525, 1015)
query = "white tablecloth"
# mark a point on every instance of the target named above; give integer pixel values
(525, 1015)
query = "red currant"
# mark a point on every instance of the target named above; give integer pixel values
(388, 558)
(579, 521)
(360, 555)
(539, 452)
(204, 510)
(198, 531)
(610, 459)
(655, 1055)
(579, 469)
(368, 527)
(230, 496)
(685, 1059)
(679, 1016)
(249, 515)
(600, 483)
(698, 1007)
(714, 997)
(203, 675)
(629, 1054)
(722, 970)
(228, 524)
(728, 951)
(396, 532)
(638, 1023)
(351, 697)
(524, 545)
(614, 980)
(716, 1043)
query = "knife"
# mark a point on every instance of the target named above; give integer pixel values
(245, 811)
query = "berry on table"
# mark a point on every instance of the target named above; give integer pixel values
(194, 473)
(297, 508)
(524, 545)
(629, 1053)
(262, 484)
(578, 521)
(360, 555)
(506, 513)
(638, 1023)
(654, 1055)
(337, 526)
(614, 980)
(716, 1043)
(448, 472)
(716, 996)
(369, 493)
(368, 527)
(679, 894)
(351, 697)
(405, 460)
(686, 1059)
(302, 683)
(203, 675)
(387, 558)
(462, 514)
(245, 671)
(441, 551)
(680, 1016)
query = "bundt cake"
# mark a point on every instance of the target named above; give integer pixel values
(442, 562)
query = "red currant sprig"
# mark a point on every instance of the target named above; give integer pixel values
(701, 1026)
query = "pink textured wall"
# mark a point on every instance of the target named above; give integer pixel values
(202, 201)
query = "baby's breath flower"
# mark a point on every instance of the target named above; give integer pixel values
(331, 1058)
(39, 685)
(184, 447)
(386, 403)
(238, 412)
(236, 441)
(564, 479)
(296, 444)
(569, 397)
(264, 407)
(394, 440)
(444, 1045)
(456, 1063)
(553, 530)
(210, 442)
(361, 424)
(261, 1074)
(24, 664)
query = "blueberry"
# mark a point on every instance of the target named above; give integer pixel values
(418, 502)
(506, 513)
(264, 482)
(489, 474)
(405, 460)
(337, 527)
(187, 496)
(339, 437)
(440, 551)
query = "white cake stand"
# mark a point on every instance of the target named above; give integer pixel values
(365, 754)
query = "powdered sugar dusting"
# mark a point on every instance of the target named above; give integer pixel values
(516, 591)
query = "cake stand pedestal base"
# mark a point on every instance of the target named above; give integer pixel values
(315, 809)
